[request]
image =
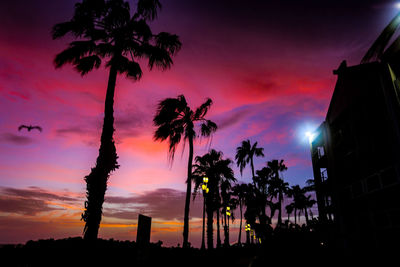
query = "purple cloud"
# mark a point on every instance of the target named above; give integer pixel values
(15, 139)
(162, 203)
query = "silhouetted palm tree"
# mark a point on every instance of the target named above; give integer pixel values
(301, 202)
(277, 186)
(252, 208)
(106, 30)
(310, 185)
(175, 119)
(306, 203)
(198, 178)
(227, 201)
(245, 154)
(289, 209)
(217, 170)
(295, 193)
(239, 190)
(261, 182)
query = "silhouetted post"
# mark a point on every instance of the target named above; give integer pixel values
(143, 230)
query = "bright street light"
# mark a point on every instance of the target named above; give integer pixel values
(310, 136)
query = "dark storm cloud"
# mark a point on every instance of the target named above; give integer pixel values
(29, 201)
(162, 203)
(15, 139)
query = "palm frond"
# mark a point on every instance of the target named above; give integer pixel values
(86, 64)
(203, 109)
(61, 29)
(207, 128)
(125, 66)
(157, 57)
(168, 42)
(141, 29)
(148, 9)
(74, 53)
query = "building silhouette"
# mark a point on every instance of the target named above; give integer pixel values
(356, 158)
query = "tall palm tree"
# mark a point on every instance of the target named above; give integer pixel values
(227, 201)
(175, 119)
(252, 208)
(218, 170)
(239, 190)
(261, 182)
(278, 187)
(198, 177)
(245, 154)
(106, 30)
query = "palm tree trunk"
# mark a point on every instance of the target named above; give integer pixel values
(280, 208)
(240, 228)
(204, 215)
(225, 230)
(188, 193)
(210, 239)
(227, 233)
(218, 233)
(252, 170)
(96, 181)
(306, 214)
(295, 216)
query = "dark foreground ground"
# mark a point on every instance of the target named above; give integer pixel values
(77, 252)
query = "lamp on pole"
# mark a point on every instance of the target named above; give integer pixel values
(228, 213)
(205, 191)
(247, 228)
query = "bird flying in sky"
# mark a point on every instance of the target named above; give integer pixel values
(29, 128)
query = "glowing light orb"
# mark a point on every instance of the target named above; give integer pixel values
(397, 5)
(310, 136)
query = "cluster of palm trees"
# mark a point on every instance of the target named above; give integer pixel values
(213, 174)
(108, 30)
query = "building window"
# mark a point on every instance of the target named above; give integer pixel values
(324, 174)
(321, 151)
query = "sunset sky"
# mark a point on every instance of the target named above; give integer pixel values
(267, 66)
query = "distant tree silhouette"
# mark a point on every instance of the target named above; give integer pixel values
(175, 119)
(296, 193)
(278, 187)
(245, 154)
(106, 30)
(218, 170)
(301, 201)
